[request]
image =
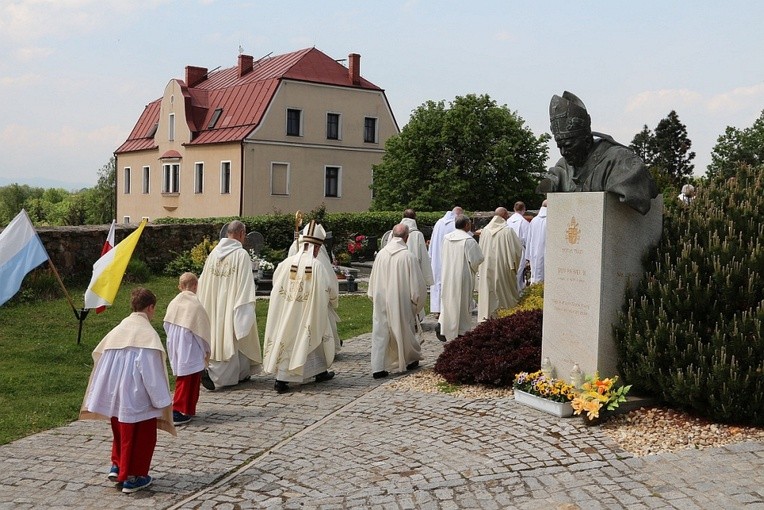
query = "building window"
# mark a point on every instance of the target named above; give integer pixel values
(146, 178)
(171, 130)
(127, 180)
(332, 181)
(294, 122)
(279, 178)
(199, 178)
(225, 177)
(215, 118)
(332, 126)
(125, 219)
(171, 178)
(370, 130)
(145, 218)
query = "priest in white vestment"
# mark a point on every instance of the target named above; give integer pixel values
(461, 258)
(534, 253)
(497, 283)
(227, 292)
(443, 226)
(324, 258)
(299, 343)
(398, 291)
(129, 387)
(520, 225)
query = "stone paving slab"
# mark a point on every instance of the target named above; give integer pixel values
(354, 442)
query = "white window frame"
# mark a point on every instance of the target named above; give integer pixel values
(127, 175)
(126, 220)
(300, 127)
(199, 177)
(288, 175)
(225, 166)
(146, 180)
(171, 185)
(339, 181)
(171, 127)
(376, 129)
(145, 218)
(339, 125)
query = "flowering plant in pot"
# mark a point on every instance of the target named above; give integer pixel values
(536, 383)
(597, 396)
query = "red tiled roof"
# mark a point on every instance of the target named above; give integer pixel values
(171, 154)
(243, 100)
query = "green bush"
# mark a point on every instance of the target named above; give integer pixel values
(192, 260)
(137, 271)
(691, 331)
(39, 285)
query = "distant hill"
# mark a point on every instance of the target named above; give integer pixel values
(40, 182)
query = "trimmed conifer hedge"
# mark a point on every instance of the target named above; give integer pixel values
(691, 332)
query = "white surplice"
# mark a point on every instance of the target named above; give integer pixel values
(442, 227)
(397, 289)
(534, 253)
(227, 292)
(521, 226)
(461, 258)
(299, 342)
(497, 284)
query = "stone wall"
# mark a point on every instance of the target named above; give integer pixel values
(74, 250)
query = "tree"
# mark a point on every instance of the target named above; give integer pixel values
(644, 145)
(474, 153)
(13, 198)
(99, 202)
(672, 150)
(736, 147)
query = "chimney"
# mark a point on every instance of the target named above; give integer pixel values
(354, 68)
(195, 75)
(245, 64)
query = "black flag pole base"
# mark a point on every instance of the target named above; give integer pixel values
(81, 316)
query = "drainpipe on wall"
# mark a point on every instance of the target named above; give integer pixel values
(241, 182)
(116, 183)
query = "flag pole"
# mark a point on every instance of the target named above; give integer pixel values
(82, 313)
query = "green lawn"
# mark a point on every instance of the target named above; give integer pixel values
(44, 372)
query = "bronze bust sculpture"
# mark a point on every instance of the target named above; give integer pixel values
(593, 161)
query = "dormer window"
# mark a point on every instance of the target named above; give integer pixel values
(215, 118)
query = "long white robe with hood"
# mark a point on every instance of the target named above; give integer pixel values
(227, 292)
(497, 284)
(443, 226)
(397, 289)
(461, 258)
(521, 226)
(299, 342)
(534, 253)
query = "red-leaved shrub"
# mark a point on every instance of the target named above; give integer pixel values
(494, 351)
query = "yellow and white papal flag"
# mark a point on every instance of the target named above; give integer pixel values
(109, 270)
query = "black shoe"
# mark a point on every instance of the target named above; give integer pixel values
(245, 379)
(179, 418)
(325, 376)
(438, 334)
(412, 365)
(207, 382)
(281, 387)
(380, 375)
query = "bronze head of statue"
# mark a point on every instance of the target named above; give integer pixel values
(571, 126)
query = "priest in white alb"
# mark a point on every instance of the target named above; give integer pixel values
(299, 343)
(397, 289)
(227, 292)
(521, 226)
(461, 258)
(497, 282)
(534, 253)
(443, 226)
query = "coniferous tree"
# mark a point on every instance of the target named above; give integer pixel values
(737, 147)
(672, 150)
(644, 145)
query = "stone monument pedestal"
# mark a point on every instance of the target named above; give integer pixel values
(594, 248)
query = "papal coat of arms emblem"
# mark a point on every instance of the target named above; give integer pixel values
(572, 233)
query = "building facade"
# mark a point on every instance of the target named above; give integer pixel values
(279, 134)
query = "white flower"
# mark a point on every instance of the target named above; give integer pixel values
(266, 266)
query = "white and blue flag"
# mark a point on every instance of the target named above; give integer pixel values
(20, 251)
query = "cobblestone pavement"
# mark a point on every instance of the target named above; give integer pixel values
(354, 442)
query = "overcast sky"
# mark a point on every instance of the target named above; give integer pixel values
(76, 74)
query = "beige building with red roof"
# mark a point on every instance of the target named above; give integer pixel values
(279, 134)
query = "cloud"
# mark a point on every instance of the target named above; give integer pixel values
(653, 100)
(503, 36)
(741, 98)
(30, 53)
(24, 80)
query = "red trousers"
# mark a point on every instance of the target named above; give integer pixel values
(186, 393)
(133, 446)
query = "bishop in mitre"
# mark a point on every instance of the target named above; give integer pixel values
(497, 283)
